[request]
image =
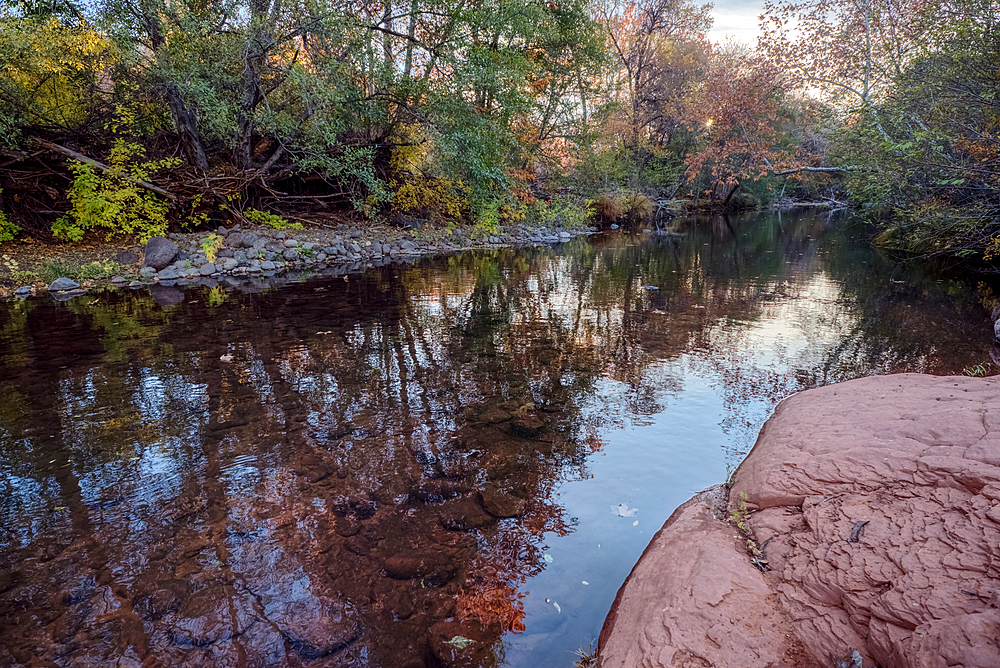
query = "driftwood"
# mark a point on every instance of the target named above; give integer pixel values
(102, 167)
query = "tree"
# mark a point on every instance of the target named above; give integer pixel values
(939, 174)
(851, 50)
(748, 126)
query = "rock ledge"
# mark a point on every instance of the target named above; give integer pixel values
(875, 505)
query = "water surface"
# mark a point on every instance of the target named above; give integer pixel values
(450, 462)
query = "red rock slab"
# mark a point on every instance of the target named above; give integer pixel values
(876, 504)
(694, 600)
(877, 507)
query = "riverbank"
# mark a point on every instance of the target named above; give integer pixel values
(243, 252)
(862, 530)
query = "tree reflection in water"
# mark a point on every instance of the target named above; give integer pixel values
(363, 470)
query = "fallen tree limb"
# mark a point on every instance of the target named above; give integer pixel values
(102, 167)
(806, 168)
(796, 170)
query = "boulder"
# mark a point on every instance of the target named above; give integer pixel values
(463, 514)
(62, 284)
(526, 424)
(159, 253)
(126, 257)
(461, 644)
(875, 505)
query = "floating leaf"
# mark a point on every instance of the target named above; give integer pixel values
(547, 557)
(623, 510)
(636, 523)
(460, 642)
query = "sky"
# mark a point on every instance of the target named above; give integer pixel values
(736, 19)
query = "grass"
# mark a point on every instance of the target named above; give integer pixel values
(53, 269)
(977, 370)
(587, 658)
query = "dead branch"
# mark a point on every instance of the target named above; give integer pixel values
(796, 170)
(102, 167)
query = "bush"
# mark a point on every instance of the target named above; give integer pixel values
(606, 209)
(272, 220)
(110, 201)
(560, 211)
(436, 199)
(8, 230)
(625, 207)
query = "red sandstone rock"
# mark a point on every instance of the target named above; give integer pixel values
(876, 506)
(694, 600)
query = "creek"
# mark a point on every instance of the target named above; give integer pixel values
(453, 461)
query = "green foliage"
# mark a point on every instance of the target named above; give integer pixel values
(52, 269)
(18, 275)
(927, 156)
(99, 270)
(488, 220)
(8, 230)
(210, 246)
(50, 75)
(110, 201)
(272, 220)
(562, 211)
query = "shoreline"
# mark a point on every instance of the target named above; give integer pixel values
(245, 253)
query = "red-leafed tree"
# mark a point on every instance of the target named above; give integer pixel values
(747, 124)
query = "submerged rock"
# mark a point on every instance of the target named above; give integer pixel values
(500, 503)
(875, 505)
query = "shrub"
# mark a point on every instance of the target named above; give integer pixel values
(270, 219)
(210, 246)
(98, 270)
(560, 211)
(8, 230)
(638, 208)
(110, 201)
(606, 209)
(436, 199)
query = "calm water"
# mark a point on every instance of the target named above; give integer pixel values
(451, 462)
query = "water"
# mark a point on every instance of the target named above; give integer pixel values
(450, 462)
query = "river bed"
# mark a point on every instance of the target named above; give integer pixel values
(454, 461)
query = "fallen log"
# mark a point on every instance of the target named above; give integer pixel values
(104, 168)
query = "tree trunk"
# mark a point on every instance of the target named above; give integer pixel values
(411, 31)
(186, 122)
(731, 193)
(185, 119)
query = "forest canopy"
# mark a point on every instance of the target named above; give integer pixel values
(132, 116)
